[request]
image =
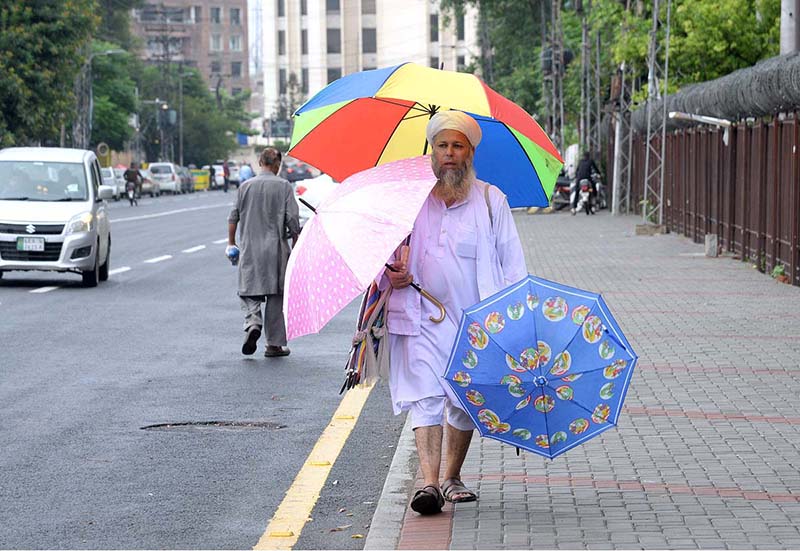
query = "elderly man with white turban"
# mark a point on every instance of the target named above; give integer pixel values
(464, 247)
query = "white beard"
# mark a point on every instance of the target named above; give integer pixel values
(453, 184)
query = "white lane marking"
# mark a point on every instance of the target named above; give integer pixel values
(168, 213)
(44, 289)
(158, 259)
(193, 249)
(120, 270)
(218, 241)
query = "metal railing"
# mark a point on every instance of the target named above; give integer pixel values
(746, 192)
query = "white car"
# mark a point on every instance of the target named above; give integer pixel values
(110, 180)
(167, 177)
(313, 191)
(53, 212)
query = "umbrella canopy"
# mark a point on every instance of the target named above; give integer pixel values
(541, 366)
(374, 117)
(344, 246)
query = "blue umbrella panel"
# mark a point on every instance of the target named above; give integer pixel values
(541, 366)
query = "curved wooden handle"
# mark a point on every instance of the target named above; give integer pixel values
(438, 304)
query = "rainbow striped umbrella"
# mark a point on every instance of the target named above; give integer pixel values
(374, 117)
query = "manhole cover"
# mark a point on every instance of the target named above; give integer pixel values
(217, 425)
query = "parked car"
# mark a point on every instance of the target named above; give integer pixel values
(166, 174)
(233, 169)
(294, 170)
(187, 182)
(313, 191)
(110, 180)
(53, 212)
(149, 185)
(119, 177)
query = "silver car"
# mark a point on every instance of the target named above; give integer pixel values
(109, 179)
(53, 212)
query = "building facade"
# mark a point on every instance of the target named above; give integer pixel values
(310, 43)
(210, 35)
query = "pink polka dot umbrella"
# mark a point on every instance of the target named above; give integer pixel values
(344, 246)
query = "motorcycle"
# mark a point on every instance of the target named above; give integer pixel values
(585, 201)
(561, 193)
(601, 198)
(130, 190)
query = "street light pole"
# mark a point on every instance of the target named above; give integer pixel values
(82, 128)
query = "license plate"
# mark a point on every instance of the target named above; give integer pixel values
(30, 244)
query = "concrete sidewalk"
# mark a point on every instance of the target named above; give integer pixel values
(707, 451)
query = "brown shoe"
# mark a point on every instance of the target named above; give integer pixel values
(274, 351)
(251, 340)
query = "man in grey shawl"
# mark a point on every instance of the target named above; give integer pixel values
(266, 215)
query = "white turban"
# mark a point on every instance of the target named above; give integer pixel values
(454, 120)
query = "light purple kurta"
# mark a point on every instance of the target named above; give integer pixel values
(460, 258)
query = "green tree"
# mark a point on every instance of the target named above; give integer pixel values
(114, 97)
(41, 44)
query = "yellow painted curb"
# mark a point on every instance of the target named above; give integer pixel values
(292, 514)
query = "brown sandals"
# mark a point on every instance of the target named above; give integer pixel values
(428, 501)
(455, 492)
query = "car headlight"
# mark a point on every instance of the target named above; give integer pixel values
(83, 222)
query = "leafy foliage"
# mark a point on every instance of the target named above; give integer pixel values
(40, 52)
(709, 39)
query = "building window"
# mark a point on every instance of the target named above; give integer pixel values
(236, 69)
(434, 62)
(215, 14)
(369, 41)
(216, 67)
(304, 42)
(216, 42)
(282, 81)
(304, 80)
(334, 73)
(332, 6)
(460, 27)
(303, 7)
(368, 7)
(281, 8)
(236, 91)
(236, 43)
(236, 17)
(149, 13)
(461, 63)
(281, 42)
(334, 41)
(434, 27)
(197, 14)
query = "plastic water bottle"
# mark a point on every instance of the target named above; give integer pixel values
(232, 252)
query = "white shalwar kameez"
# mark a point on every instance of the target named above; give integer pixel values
(460, 257)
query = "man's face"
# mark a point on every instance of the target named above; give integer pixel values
(451, 149)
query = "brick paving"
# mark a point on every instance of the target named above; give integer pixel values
(707, 451)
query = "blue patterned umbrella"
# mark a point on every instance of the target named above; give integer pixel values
(541, 366)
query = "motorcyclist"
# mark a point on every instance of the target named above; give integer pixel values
(133, 180)
(585, 171)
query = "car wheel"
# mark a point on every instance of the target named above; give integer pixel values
(92, 277)
(103, 275)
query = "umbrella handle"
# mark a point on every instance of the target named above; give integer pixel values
(427, 295)
(438, 304)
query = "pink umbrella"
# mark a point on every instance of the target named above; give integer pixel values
(343, 248)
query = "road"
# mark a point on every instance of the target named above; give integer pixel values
(85, 372)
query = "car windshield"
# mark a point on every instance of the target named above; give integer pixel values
(107, 172)
(42, 181)
(160, 169)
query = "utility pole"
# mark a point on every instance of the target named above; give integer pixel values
(790, 30)
(657, 79)
(623, 144)
(554, 96)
